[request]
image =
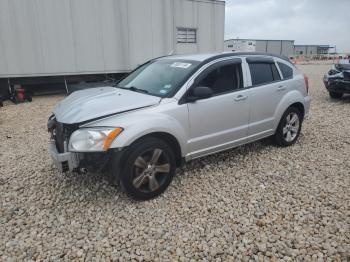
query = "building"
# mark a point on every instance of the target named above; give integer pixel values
(310, 50)
(281, 47)
(50, 38)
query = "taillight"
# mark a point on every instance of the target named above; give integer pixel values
(306, 79)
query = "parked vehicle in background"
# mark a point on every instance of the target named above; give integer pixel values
(175, 109)
(337, 80)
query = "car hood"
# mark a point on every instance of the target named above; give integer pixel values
(343, 65)
(94, 103)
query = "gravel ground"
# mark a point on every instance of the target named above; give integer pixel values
(256, 202)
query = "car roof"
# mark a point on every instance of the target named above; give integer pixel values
(212, 56)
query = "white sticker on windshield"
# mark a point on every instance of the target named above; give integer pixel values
(181, 65)
(163, 91)
(167, 86)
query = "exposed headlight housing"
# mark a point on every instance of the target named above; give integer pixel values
(333, 72)
(93, 140)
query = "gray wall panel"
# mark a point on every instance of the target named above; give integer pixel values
(288, 48)
(19, 29)
(312, 50)
(305, 50)
(3, 55)
(261, 46)
(283, 47)
(58, 37)
(112, 19)
(87, 35)
(162, 32)
(274, 47)
(219, 21)
(183, 11)
(140, 31)
(205, 32)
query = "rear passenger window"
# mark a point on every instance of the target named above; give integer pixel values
(263, 73)
(286, 71)
(223, 78)
(276, 75)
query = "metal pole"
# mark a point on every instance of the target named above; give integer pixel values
(9, 86)
(65, 83)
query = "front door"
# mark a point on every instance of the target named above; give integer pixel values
(221, 121)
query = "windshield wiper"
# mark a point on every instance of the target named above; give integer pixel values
(133, 88)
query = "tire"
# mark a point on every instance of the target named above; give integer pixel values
(288, 130)
(335, 95)
(14, 100)
(148, 169)
(29, 98)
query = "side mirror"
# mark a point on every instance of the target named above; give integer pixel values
(200, 92)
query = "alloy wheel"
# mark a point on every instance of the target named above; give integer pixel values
(291, 127)
(150, 170)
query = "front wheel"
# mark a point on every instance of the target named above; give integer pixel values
(289, 127)
(335, 95)
(148, 169)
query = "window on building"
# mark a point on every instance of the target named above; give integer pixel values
(186, 35)
(230, 46)
(223, 78)
(263, 73)
(286, 71)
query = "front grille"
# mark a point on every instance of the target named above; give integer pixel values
(59, 137)
(61, 134)
(346, 76)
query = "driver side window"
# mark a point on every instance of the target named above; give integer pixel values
(223, 78)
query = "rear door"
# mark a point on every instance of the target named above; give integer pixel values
(221, 121)
(267, 91)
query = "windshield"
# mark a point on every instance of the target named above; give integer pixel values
(159, 78)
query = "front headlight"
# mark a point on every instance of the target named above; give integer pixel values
(93, 140)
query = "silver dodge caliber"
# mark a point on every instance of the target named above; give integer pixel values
(177, 108)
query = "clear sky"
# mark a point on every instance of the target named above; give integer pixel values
(324, 22)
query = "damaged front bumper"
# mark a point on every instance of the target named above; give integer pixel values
(65, 162)
(338, 84)
(80, 162)
(86, 162)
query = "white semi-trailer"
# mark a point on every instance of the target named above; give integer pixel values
(41, 38)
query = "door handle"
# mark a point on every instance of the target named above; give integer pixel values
(281, 88)
(241, 98)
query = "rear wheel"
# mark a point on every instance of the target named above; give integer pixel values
(335, 95)
(289, 127)
(148, 169)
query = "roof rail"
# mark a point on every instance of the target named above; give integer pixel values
(246, 54)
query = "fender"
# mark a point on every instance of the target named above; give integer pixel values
(290, 98)
(139, 124)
